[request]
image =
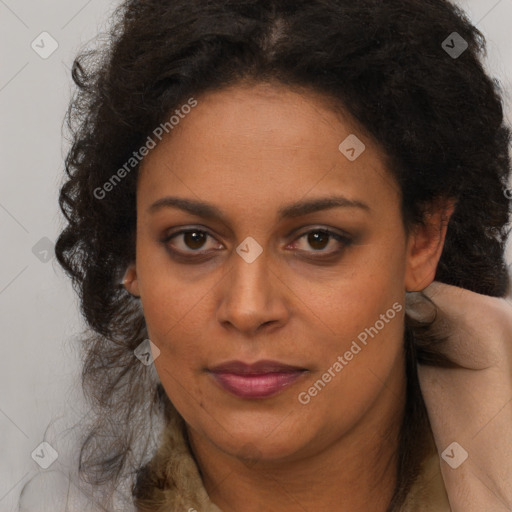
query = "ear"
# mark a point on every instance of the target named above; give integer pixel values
(130, 281)
(425, 245)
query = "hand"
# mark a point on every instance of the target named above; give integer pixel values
(473, 406)
(481, 326)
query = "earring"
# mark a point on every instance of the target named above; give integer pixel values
(419, 307)
(122, 285)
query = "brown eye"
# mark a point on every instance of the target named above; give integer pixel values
(188, 241)
(319, 240)
(193, 243)
(194, 239)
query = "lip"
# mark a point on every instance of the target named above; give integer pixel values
(262, 379)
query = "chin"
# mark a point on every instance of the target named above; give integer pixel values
(258, 438)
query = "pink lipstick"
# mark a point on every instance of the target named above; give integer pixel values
(258, 380)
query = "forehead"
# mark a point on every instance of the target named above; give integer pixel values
(260, 143)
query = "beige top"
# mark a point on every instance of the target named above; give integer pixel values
(428, 493)
(470, 410)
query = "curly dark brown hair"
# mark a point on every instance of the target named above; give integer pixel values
(438, 118)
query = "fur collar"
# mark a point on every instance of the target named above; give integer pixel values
(177, 486)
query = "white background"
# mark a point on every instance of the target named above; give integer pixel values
(39, 315)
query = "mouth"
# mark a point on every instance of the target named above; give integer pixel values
(262, 379)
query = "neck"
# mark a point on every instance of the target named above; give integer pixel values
(356, 473)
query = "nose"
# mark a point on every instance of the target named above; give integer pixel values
(253, 297)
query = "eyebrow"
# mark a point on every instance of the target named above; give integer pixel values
(297, 209)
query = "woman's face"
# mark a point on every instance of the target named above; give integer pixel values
(268, 270)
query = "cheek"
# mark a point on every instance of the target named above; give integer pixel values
(169, 304)
(359, 353)
(361, 319)
(174, 321)
(354, 295)
(173, 314)
(165, 294)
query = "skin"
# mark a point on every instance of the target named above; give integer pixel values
(250, 150)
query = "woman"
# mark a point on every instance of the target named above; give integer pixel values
(275, 184)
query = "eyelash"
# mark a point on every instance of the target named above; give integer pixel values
(344, 240)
